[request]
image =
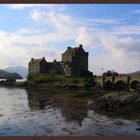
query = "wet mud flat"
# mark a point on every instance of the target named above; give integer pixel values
(32, 112)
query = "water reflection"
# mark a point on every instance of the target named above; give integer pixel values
(75, 110)
(37, 100)
(56, 113)
(73, 106)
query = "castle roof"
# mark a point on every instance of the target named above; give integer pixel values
(75, 49)
(38, 60)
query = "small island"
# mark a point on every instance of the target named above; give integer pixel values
(71, 72)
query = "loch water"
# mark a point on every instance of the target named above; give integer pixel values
(34, 112)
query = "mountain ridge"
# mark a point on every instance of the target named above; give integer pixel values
(23, 71)
(7, 75)
(134, 73)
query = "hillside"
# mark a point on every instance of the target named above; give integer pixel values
(18, 69)
(134, 73)
(5, 75)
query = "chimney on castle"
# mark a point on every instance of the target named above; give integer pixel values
(43, 58)
(68, 48)
(32, 59)
(80, 46)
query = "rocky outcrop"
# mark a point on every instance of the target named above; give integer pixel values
(118, 103)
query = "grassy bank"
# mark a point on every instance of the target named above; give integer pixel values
(36, 79)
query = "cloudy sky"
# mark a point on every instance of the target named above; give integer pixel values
(110, 33)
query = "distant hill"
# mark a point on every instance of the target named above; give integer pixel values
(18, 69)
(6, 75)
(134, 73)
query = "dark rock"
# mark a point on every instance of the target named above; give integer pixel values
(138, 129)
(118, 103)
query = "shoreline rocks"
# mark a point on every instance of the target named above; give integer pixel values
(118, 103)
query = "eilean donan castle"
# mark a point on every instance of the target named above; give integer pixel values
(74, 64)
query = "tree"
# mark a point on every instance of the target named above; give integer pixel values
(110, 73)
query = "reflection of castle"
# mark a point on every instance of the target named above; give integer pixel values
(73, 109)
(74, 63)
(37, 101)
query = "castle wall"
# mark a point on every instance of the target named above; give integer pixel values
(43, 66)
(37, 67)
(34, 68)
(67, 57)
(68, 69)
(55, 68)
(81, 61)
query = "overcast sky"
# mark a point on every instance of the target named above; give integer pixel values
(110, 33)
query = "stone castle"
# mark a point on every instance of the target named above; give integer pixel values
(74, 64)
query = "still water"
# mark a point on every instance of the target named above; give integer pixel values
(56, 113)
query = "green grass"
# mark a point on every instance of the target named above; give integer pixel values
(34, 79)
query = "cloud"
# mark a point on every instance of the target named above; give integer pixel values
(28, 31)
(36, 6)
(57, 20)
(22, 6)
(20, 48)
(85, 37)
(126, 44)
(127, 30)
(106, 21)
(67, 25)
(61, 20)
(35, 15)
(123, 53)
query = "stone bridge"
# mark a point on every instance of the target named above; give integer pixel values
(119, 82)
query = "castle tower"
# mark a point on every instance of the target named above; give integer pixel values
(75, 61)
